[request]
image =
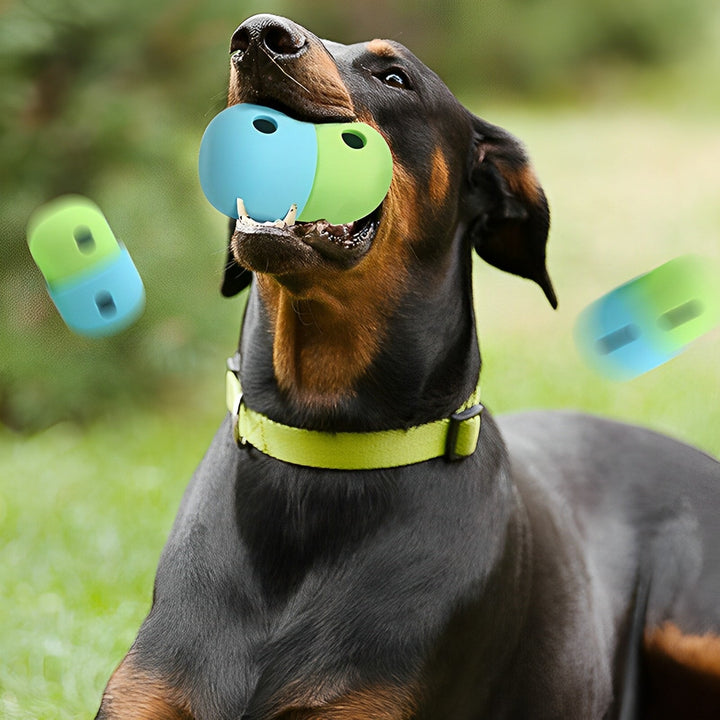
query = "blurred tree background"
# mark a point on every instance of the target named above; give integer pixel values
(109, 99)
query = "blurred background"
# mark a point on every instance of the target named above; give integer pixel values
(618, 102)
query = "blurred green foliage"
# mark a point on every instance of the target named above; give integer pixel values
(109, 99)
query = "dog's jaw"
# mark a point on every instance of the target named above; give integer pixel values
(287, 247)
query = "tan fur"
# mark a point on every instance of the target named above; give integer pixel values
(439, 178)
(522, 182)
(133, 694)
(327, 334)
(698, 652)
(374, 703)
(382, 48)
(682, 675)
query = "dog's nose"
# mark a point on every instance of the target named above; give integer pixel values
(277, 36)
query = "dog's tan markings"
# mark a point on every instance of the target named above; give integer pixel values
(390, 702)
(522, 181)
(525, 182)
(322, 80)
(700, 652)
(327, 334)
(132, 694)
(439, 177)
(322, 343)
(381, 48)
(313, 78)
(683, 674)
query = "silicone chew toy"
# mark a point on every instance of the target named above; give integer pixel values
(339, 172)
(650, 319)
(90, 277)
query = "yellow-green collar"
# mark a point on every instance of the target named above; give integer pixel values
(453, 438)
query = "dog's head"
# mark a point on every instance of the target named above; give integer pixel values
(457, 179)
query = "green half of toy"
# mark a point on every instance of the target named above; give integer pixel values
(69, 237)
(681, 299)
(353, 174)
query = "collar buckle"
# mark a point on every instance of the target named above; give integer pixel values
(463, 433)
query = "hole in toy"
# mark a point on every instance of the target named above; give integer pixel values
(354, 140)
(615, 340)
(84, 239)
(265, 125)
(105, 304)
(680, 315)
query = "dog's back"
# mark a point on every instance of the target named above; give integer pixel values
(644, 511)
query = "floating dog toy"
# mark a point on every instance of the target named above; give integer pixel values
(339, 172)
(90, 277)
(651, 319)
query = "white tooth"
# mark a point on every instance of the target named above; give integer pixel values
(289, 219)
(242, 212)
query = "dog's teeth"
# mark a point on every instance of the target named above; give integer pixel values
(289, 219)
(245, 220)
(242, 212)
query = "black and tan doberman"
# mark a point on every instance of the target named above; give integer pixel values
(561, 567)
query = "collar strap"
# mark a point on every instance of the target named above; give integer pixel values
(453, 438)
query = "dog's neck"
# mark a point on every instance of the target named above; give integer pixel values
(360, 355)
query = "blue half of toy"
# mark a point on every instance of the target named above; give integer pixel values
(260, 155)
(102, 302)
(617, 336)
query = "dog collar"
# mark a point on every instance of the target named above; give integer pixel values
(453, 438)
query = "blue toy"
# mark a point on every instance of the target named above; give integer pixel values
(90, 277)
(337, 172)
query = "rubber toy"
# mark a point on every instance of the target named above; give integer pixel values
(339, 172)
(90, 277)
(650, 319)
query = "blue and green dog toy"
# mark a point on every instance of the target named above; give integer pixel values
(650, 319)
(339, 172)
(90, 276)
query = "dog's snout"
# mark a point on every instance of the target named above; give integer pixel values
(274, 35)
(275, 61)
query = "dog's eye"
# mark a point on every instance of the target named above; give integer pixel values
(395, 78)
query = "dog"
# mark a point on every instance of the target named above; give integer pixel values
(544, 565)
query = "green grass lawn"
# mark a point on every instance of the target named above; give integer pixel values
(84, 512)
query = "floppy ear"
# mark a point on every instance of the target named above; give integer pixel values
(509, 215)
(236, 278)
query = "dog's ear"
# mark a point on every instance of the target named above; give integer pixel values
(236, 278)
(509, 215)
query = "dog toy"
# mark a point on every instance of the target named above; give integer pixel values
(650, 319)
(339, 172)
(90, 277)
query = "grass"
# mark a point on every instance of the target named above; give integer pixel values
(84, 512)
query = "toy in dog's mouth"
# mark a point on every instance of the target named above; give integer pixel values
(315, 189)
(343, 243)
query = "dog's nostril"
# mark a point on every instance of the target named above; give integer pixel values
(284, 41)
(240, 40)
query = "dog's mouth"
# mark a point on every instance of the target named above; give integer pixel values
(341, 245)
